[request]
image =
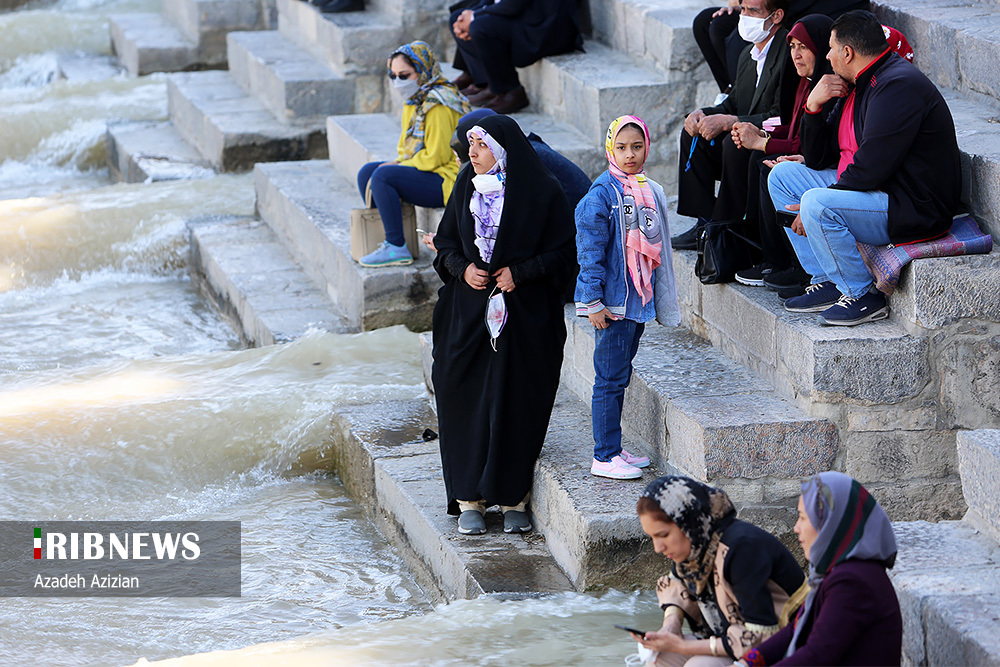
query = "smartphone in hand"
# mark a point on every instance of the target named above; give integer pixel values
(640, 633)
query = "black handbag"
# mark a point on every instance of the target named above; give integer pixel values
(722, 251)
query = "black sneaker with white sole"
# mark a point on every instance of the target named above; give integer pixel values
(786, 279)
(848, 311)
(755, 275)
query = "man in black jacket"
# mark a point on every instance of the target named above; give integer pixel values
(883, 168)
(707, 151)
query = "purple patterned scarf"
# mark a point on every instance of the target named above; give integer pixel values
(486, 203)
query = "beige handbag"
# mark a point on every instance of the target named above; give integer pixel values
(367, 232)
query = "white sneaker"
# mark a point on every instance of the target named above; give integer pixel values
(637, 461)
(616, 468)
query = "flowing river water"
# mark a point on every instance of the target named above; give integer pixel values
(124, 395)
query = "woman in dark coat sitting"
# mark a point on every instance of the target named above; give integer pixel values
(851, 615)
(505, 253)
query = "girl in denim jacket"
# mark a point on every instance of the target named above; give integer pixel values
(626, 279)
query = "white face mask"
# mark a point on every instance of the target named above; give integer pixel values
(406, 88)
(496, 315)
(752, 30)
(488, 183)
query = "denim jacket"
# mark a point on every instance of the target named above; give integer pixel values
(603, 281)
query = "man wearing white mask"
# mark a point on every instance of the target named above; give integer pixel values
(707, 151)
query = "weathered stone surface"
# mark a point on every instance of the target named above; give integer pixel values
(288, 81)
(254, 280)
(978, 132)
(941, 569)
(936, 292)
(232, 130)
(899, 455)
(891, 418)
(152, 151)
(921, 500)
(146, 43)
(969, 364)
(979, 465)
(656, 31)
(207, 21)
(308, 205)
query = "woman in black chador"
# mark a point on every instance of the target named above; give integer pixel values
(505, 253)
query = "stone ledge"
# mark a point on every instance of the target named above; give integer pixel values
(656, 31)
(308, 205)
(979, 465)
(152, 151)
(949, 594)
(936, 292)
(254, 280)
(147, 43)
(232, 130)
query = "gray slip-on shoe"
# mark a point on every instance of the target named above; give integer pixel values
(471, 522)
(516, 522)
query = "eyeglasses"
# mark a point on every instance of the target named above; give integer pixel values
(404, 76)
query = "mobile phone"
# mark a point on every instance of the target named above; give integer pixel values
(632, 630)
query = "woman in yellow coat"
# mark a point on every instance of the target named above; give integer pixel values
(425, 170)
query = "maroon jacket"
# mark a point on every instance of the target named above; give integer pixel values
(855, 620)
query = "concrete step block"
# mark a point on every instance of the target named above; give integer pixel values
(152, 151)
(207, 21)
(951, 612)
(656, 31)
(704, 414)
(354, 43)
(254, 281)
(232, 130)
(287, 80)
(873, 364)
(977, 127)
(935, 292)
(957, 44)
(147, 43)
(308, 205)
(979, 466)
(397, 479)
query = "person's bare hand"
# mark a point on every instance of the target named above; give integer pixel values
(475, 277)
(461, 25)
(663, 641)
(797, 223)
(602, 319)
(826, 89)
(748, 136)
(505, 279)
(734, 6)
(428, 240)
(712, 126)
(692, 121)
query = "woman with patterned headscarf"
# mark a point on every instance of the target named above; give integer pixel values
(425, 169)
(730, 580)
(851, 615)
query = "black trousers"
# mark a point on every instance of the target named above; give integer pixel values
(491, 53)
(775, 246)
(711, 161)
(720, 44)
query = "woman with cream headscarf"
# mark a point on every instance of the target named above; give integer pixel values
(730, 580)
(851, 615)
(425, 169)
(505, 254)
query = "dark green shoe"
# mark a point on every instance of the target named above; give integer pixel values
(471, 522)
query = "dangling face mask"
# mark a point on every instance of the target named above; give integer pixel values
(496, 315)
(752, 30)
(406, 88)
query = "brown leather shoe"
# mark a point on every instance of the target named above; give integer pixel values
(472, 89)
(463, 81)
(510, 101)
(482, 98)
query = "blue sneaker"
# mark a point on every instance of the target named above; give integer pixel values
(387, 255)
(848, 311)
(817, 298)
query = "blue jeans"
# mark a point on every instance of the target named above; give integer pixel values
(614, 350)
(835, 221)
(392, 183)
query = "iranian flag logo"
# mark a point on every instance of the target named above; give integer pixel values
(38, 543)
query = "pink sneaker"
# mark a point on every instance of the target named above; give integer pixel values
(637, 461)
(616, 468)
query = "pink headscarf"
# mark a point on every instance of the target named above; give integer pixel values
(642, 253)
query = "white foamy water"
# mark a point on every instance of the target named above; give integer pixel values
(124, 395)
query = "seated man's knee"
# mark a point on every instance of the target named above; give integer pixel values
(813, 205)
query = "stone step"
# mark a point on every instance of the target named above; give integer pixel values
(287, 80)
(255, 282)
(206, 22)
(233, 130)
(385, 464)
(707, 416)
(355, 43)
(656, 31)
(147, 43)
(949, 593)
(589, 90)
(152, 151)
(957, 44)
(877, 363)
(977, 127)
(308, 206)
(979, 466)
